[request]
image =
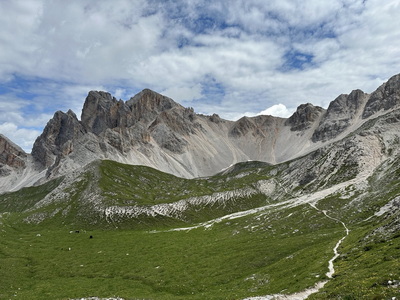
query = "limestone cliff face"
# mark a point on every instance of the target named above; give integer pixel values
(146, 115)
(304, 117)
(256, 127)
(111, 128)
(11, 156)
(242, 127)
(387, 96)
(147, 105)
(102, 111)
(58, 138)
(340, 115)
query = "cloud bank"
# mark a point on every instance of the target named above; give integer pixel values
(225, 57)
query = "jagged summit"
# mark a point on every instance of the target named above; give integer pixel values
(341, 113)
(346, 105)
(147, 104)
(57, 139)
(147, 95)
(153, 130)
(102, 111)
(304, 116)
(387, 96)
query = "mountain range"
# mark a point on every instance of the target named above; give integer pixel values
(153, 130)
(145, 199)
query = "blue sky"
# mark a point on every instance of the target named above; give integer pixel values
(233, 58)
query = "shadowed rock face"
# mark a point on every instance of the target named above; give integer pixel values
(385, 97)
(340, 115)
(11, 156)
(304, 117)
(107, 123)
(242, 127)
(102, 111)
(256, 127)
(147, 105)
(57, 139)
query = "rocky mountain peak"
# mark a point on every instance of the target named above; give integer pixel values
(102, 111)
(242, 126)
(147, 104)
(57, 138)
(346, 104)
(147, 95)
(215, 118)
(387, 96)
(304, 117)
(340, 114)
(257, 127)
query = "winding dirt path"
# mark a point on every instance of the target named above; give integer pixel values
(312, 200)
(331, 271)
(319, 285)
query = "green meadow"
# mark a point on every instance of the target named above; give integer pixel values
(276, 250)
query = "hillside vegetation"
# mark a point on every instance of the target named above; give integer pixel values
(266, 239)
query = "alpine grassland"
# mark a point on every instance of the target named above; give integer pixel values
(57, 241)
(257, 254)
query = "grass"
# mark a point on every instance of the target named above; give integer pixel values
(25, 198)
(232, 260)
(272, 251)
(364, 270)
(140, 185)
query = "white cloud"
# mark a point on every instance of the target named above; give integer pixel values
(183, 94)
(218, 57)
(19, 44)
(276, 16)
(119, 93)
(277, 110)
(23, 137)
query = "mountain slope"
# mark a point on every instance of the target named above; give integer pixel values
(112, 188)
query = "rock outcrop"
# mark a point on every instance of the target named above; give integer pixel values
(147, 105)
(304, 117)
(102, 111)
(340, 115)
(387, 96)
(58, 138)
(11, 156)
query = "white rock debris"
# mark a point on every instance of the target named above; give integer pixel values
(176, 208)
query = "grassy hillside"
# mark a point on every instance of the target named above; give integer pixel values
(283, 247)
(126, 184)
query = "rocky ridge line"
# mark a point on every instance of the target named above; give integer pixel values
(152, 129)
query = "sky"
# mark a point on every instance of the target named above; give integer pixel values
(233, 58)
